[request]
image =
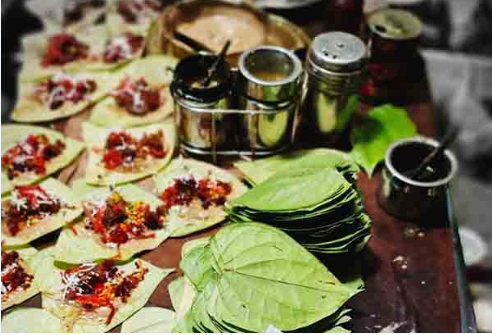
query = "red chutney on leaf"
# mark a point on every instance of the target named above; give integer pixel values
(62, 88)
(136, 97)
(123, 150)
(14, 275)
(124, 47)
(62, 49)
(119, 221)
(94, 286)
(30, 155)
(185, 190)
(28, 204)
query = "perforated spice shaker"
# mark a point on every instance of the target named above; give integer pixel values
(334, 67)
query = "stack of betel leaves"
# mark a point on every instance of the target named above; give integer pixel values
(310, 195)
(251, 277)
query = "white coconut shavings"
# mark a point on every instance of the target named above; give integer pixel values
(121, 46)
(17, 201)
(65, 92)
(72, 280)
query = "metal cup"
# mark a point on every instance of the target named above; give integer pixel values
(270, 82)
(201, 131)
(411, 199)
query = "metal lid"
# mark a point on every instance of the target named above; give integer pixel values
(270, 73)
(337, 51)
(395, 24)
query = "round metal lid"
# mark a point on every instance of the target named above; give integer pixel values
(337, 51)
(395, 24)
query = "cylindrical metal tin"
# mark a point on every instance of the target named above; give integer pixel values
(411, 199)
(269, 81)
(393, 36)
(334, 67)
(199, 128)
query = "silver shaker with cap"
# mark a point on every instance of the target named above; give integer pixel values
(334, 67)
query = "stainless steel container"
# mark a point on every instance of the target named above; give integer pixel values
(395, 66)
(334, 67)
(201, 130)
(270, 83)
(411, 199)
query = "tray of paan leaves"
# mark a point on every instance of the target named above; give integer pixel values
(91, 213)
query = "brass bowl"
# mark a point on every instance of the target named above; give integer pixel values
(275, 30)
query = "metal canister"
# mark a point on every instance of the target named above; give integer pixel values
(334, 65)
(201, 131)
(411, 199)
(269, 86)
(394, 62)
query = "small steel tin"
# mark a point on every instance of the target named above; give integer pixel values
(201, 130)
(410, 199)
(393, 36)
(334, 67)
(270, 82)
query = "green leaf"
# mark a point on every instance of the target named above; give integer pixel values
(30, 320)
(263, 277)
(337, 330)
(314, 201)
(150, 320)
(259, 170)
(188, 221)
(197, 266)
(383, 126)
(49, 281)
(176, 291)
(294, 189)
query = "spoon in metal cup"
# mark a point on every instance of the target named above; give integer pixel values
(215, 65)
(422, 171)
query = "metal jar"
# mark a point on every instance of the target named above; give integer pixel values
(269, 88)
(334, 67)
(411, 199)
(201, 131)
(394, 63)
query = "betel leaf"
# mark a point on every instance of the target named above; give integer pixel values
(197, 266)
(186, 220)
(314, 201)
(150, 320)
(176, 291)
(294, 189)
(269, 279)
(259, 170)
(262, 278)
(30, 320)
(383, 126)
